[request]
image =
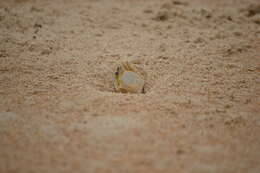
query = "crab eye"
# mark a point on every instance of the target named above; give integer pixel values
(117, 71)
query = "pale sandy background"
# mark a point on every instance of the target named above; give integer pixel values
(58, 109)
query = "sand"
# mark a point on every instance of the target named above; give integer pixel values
(58, 109)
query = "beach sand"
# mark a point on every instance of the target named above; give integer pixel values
(200, 110)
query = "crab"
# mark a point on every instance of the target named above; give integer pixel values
(128, 78)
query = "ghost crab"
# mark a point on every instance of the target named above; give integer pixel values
(128, 78)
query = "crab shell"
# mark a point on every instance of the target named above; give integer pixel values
(128, 79)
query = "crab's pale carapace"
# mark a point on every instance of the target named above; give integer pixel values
(128, 79)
